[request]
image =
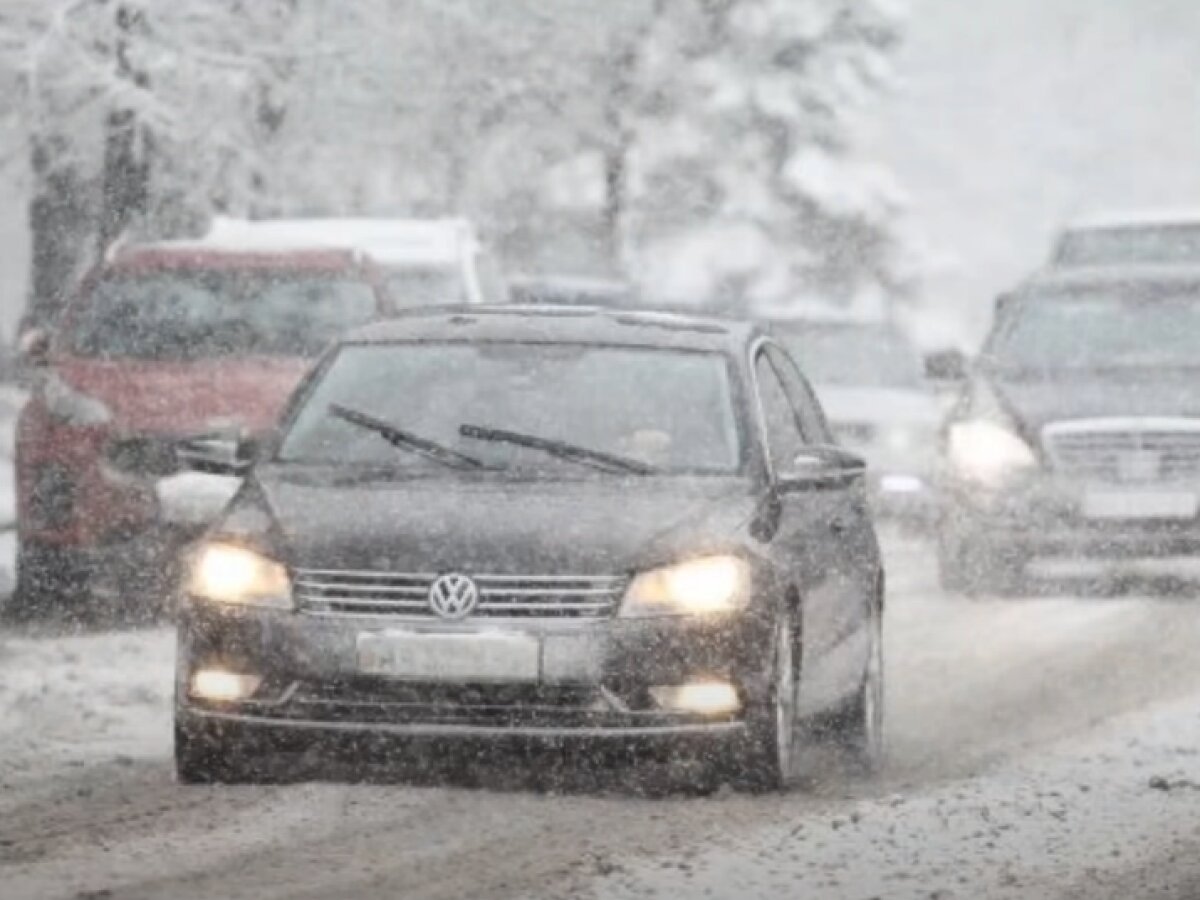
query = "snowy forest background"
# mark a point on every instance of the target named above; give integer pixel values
(869, 151)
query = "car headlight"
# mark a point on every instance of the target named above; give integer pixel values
(238, 576)
(711, 584)
(988, 453)
(71, 406)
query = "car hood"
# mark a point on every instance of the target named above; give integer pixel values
(187, 397)
(878, 406)
(593, 526)
(1035, 402)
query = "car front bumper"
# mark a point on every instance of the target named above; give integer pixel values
(593, 683)
(1045, 516)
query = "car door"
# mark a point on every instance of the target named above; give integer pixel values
(828, 532)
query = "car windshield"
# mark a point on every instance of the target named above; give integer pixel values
(855, 356)
(670, 410)
(210, 313)
(413, 286)
(1135, 326)
(1134, 244)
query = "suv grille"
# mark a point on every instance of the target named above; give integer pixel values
(354, 593)
(1125, 450)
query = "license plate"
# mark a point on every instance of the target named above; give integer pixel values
(483, 657)
(1139, 505)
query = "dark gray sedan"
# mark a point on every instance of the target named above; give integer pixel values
(547, 524)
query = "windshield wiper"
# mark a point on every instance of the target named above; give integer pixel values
(558, 449)
(398, 437)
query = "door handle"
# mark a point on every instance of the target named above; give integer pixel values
(839, 525)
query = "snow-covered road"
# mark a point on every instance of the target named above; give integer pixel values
(1039, 748)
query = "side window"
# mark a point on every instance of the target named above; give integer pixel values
(804, 399)
(785, 440)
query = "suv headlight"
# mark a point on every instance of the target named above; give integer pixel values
(711, 584)
(238, 576)
(71, 406)
(987, 453)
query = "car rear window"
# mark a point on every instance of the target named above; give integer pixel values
(206, 313)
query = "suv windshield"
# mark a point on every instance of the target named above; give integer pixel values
(852, 356)
(670, 410)
(1123, 326)
(206, 313)
(1132, 244)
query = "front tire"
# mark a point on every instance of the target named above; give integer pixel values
(767, 761)
(211, 753)
(47, 578)
(858, 728)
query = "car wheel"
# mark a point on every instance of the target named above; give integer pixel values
(858, 728)
(768, 758)
(969, 566)
(46, 579)
(208, 753)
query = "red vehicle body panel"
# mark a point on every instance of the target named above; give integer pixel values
(154, 399)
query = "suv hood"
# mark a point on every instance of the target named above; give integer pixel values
(1035, 402)
(603, 526)
(187, 397)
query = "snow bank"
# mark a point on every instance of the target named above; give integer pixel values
(1094, 809)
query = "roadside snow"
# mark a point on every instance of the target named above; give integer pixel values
(70, 701)
(1073, 817)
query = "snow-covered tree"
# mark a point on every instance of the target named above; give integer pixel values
(745, 187)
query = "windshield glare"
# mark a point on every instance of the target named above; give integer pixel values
(1120, 327)
(671, 410)
(198, 314)
(853, 356)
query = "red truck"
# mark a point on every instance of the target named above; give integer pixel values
(164, 348)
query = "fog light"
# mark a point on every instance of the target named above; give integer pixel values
(223, 686)
(708, 698)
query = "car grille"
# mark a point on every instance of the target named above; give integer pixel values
(355, 593)
(1127, 450)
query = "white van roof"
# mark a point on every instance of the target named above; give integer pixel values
(388, 241)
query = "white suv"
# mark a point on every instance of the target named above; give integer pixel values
(423, 261)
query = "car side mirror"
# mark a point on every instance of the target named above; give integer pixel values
(821, 467)
(33, 348)
(947, 366)
(218, 454)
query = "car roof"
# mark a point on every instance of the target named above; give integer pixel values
(196, 255)
(1147, 218)
(1103, 276)
(560, 324)
(390, 242)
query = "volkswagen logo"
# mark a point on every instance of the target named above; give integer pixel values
(453, 596)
